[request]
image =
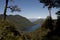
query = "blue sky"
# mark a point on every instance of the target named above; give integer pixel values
(29, 9)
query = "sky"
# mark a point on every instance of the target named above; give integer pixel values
(29, 9)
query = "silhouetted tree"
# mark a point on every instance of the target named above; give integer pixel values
(50, 4)
(57, 5)
(55, 34)
(13, 8)
(58, 24)
(47, 3)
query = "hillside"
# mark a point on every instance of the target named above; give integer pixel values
(19, 21)
(39, 21)
(33, 19)
(8, 31)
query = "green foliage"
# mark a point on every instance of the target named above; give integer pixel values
(8, 31)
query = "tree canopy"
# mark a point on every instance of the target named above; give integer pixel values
(51, 3)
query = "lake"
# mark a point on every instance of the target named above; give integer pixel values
(32, 28)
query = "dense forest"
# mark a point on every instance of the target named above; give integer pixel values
(11, 26)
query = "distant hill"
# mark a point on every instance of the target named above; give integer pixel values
(39, 21)
(33, 19)
(19, 21)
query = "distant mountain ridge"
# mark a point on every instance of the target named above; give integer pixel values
(33, 19)
(39, 21)
(19, 21)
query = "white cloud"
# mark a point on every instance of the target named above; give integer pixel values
(39, 17)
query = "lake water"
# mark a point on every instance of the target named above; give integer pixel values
(32, 28)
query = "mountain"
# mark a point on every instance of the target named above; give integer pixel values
(39, 21)
(33, 19)
(19, 21)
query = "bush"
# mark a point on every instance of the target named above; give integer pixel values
(8, 31)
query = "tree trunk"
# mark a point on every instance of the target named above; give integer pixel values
(51, 25)
(5, 9)
(49, 11)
